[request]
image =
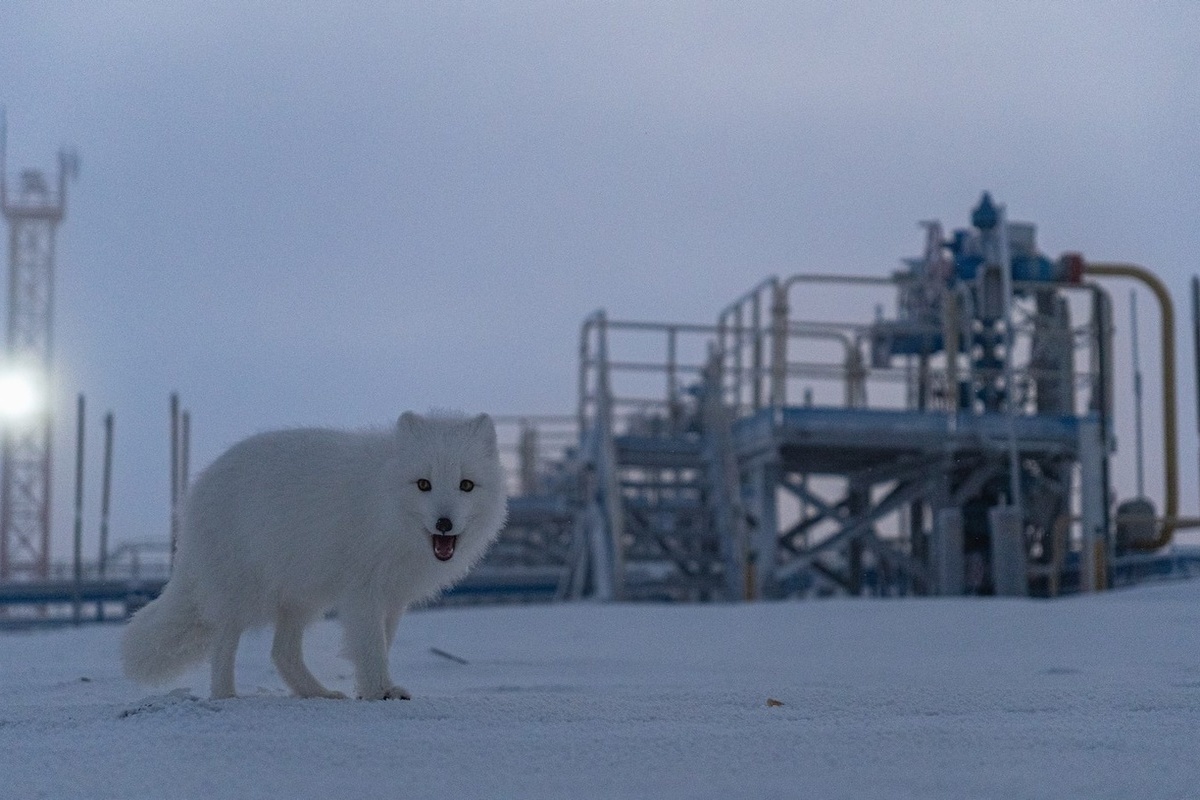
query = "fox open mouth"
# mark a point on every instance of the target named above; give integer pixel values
(443, 546)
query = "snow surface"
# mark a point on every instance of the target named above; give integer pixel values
(1087, 697)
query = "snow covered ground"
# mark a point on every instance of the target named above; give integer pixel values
(1088, 697)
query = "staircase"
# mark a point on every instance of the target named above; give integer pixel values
(661, 487)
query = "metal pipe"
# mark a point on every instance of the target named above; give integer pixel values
(769, 286)
(585, 356)
(3, 158)
(1010, 390)
(779, 332)
(106, 492)
(174, 473)
(860, 280)
(779, 321)
(757, 353)
(1137, 394)
(77, 601)
(185, 453)
(805, 331)
(538, 419)
(1196, 340)
(1170, 435)
(851, 363)
(672, 375)
(527, 447)
(771, 283)
(951, 328)
(42, 565)
(636, 325)
(608, 462)
(738, 347)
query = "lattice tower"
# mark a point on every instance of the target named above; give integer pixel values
(33, 213)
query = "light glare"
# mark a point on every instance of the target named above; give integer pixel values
(18, 395)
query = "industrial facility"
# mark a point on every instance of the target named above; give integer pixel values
(958, 442)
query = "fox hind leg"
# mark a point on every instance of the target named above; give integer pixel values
(224, 650)
(287, 653)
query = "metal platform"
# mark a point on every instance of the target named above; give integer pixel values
(838, 440)
(964, 447)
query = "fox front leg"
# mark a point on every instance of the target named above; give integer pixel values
(367, 629)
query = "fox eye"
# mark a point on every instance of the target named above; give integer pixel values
(424, 485)
(466, 485)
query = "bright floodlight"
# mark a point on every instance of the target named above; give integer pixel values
(18, 395)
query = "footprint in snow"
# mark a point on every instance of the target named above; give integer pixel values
(174, 702)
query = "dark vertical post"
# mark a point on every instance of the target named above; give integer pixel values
(757, 356)
(673, 411)
(105, 495)
(174, 472)
(739, 345)
(106, 491)
(1139, 450)
(77, 604)
(1196, 340)
(858, 499)
(185, 452)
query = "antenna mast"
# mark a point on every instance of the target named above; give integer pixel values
(33, 211)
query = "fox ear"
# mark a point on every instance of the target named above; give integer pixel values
(409, 422)
(483, 427)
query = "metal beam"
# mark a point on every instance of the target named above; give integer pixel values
(860, 524)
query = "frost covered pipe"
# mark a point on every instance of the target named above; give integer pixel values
(1170, 438)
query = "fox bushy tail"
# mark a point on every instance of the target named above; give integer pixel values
(165, 638)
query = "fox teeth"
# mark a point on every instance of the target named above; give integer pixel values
(443, 546)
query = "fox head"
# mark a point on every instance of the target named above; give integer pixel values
(452, 489)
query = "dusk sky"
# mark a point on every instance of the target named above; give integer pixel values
(328, 213)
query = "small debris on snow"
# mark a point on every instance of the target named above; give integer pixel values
(772, 702)
(449, 656)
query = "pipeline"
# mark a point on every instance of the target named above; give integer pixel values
(1171, 519)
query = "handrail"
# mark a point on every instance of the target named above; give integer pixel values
(779, 320)
(771, 283)
(825, 277)
(1170, 439)
(595, 318)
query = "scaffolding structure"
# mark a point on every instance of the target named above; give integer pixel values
(33, 212)
(959, 445)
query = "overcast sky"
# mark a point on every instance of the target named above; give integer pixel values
(300, 213)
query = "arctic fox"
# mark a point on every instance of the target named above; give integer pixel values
(286, 525)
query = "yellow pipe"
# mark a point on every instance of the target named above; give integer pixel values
(1170, 439)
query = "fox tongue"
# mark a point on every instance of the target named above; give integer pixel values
(443, 546)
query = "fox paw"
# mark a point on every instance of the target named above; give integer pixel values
(393, 693)
(324, 694)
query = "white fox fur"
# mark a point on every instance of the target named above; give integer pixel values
(286, 525)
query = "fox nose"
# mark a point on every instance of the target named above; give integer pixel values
(444, 525)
